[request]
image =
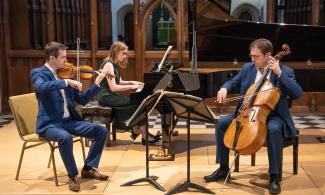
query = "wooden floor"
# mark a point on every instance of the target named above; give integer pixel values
(126, 161)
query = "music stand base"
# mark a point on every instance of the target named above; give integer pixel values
(185, 186)
(151, 180)
(168, 157)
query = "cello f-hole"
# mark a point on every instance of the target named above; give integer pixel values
(253, 119)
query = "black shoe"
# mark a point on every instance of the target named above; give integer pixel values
(134, 135)
(216, 175)
(153, 139)
(274, 185)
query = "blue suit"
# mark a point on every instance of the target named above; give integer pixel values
(279, 123)
(51, 124)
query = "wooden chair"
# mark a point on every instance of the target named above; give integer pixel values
(103, 114)
(24, 109)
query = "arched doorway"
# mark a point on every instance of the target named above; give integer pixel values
(247, 12)
(125, 25)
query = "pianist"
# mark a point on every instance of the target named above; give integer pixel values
(279, 123)
(110, 93)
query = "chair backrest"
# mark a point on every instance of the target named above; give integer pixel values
(24, 109)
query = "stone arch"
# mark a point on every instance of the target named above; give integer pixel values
(143, 19)
(120, 15)
(247, 10)
(149, 8)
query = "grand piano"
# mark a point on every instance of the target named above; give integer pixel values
(209, 83)
(223, 42)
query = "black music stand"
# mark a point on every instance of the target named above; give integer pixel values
(190, 108)
(140, 114)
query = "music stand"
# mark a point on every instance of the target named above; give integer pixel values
(190, 108)
(140, 114)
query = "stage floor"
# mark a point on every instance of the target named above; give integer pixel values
(125, 161)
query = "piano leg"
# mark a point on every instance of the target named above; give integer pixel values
(167, 126)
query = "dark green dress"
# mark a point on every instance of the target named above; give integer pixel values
(121, 105)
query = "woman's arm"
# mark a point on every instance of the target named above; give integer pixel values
(114, 87)
(122, 82)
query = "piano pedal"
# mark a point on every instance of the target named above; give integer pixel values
(162, 155)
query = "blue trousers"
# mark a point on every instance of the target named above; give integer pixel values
(274, 140)
(63, 135)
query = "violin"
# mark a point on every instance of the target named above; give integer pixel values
(70, 71)
(247, 132)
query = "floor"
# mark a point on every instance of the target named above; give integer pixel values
(302, 121)
(125, 161)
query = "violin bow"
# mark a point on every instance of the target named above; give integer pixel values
(78, 63)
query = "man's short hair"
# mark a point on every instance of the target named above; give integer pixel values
(262, 44)
(52, 49)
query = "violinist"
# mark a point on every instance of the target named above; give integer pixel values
(279, 122)
(111, 89)
(57, 119)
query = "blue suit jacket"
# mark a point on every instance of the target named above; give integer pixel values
(286, 83)
(50, 99)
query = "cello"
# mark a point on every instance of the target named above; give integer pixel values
(247, 132)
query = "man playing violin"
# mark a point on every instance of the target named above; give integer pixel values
(279, 122)
(57, 118)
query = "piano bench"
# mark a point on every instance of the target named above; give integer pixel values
(94, 112)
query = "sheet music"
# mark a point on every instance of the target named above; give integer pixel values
(164, 58)
(198, 102)
(137, 113)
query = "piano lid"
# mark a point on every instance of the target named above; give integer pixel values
(226, 40)
(221, 37)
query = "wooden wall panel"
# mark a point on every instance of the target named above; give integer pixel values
(2, 57)
(104, 24)
(19, 71)
(68, 19)
(19, 26)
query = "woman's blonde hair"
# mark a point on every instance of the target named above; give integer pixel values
(115, 49)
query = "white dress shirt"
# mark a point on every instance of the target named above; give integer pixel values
(259, 74)
(66, 112)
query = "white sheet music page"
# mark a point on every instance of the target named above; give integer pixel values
(164, 58)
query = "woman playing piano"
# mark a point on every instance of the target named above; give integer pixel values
(110, 94)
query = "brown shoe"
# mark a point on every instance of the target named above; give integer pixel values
(74, 184)
(93, 174)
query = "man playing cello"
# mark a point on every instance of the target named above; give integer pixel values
(279, 122)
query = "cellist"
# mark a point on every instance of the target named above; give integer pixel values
(279, 122)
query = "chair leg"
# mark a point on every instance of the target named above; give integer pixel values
(253, 159)
(49, 163)
(87, 142)
(20, 160)
(295, 156)
(86, 139)
(237, 163)
(53, 162)
(108, 138)
(114, 133)
(281, 164)
(83, 148)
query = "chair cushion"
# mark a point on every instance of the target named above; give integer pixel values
(33, 138)
(94, 109)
